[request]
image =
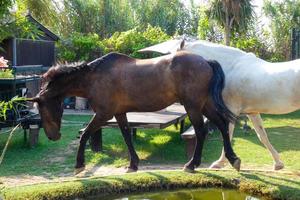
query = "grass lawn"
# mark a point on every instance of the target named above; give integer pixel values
(54, 159)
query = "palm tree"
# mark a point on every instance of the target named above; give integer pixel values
(45, 11)
(232, 15)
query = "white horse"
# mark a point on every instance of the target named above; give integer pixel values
(253, 86)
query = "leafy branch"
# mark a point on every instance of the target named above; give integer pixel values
(12, 105)
(6, 73)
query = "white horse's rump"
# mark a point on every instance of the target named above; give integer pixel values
(253, 85)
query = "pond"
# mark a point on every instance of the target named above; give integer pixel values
(187, 194)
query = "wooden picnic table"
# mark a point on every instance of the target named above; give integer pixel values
(31, 122)
(174, 114)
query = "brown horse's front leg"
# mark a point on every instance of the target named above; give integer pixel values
(125, 129)
(96, 122)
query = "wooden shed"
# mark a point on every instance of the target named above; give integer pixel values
(40, 51)
(28, 57)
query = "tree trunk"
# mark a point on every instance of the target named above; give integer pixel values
(226, 26)
(227, 35)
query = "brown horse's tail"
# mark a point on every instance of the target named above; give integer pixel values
(216, 87)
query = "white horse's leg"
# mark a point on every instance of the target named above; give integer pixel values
(220, 163)
(262, 135)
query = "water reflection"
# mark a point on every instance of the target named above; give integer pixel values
(195, 194)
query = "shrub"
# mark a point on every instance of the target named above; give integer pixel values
(80, 47)
(255, 45)
(88, 47)
(131, 41)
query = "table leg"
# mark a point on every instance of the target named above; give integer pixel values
(133, 132)
(176, 125)
(33, 135)
(182, 126)
(96, 141)
(25, 135)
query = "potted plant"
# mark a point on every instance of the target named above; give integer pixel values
(5, 72)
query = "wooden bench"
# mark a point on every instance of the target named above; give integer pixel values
(32, 123)
(174, 114)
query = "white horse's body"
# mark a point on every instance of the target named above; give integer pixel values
(252, 86)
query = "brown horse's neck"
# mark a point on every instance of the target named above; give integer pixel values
(75, 83)
(78, 84)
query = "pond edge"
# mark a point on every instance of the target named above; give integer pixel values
(252, 183)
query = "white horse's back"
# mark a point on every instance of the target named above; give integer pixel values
(252, 84)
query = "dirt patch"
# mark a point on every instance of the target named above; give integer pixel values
(91, 171)
(60, 156)
(101, 171)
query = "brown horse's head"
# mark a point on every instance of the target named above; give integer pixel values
(50, 110)
(50, 106)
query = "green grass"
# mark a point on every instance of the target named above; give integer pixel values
(55, 159)
(272, 186)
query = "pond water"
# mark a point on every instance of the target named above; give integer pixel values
(187, 194)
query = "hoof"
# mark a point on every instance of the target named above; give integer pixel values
(78, 170)
(130, 170)
(217, 165)
(278, 166)
(237, 164)
(188, 170)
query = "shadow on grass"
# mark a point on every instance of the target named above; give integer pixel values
(293, 115)
(260, 184)
(153, 146)
(282, 138)
(290, 187)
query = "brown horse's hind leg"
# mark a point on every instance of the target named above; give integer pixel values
(125, 129)
(96, 122)
(196, 118)
(222, 124)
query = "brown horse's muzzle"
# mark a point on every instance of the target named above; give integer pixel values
(54, 137)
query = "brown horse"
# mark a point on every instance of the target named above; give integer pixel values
(116, 84)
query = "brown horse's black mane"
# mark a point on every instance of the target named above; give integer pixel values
(63, 70)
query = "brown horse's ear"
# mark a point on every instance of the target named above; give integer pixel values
(182, 44)
(34, 99)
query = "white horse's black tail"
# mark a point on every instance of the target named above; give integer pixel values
(216, 87)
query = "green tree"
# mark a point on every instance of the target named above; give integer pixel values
(284, 16)
(14, 23)
(103, 17)
(4, 18)
(45, 11)
(232, 15)
(171, 15)
(207, 29)
(4, 8)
